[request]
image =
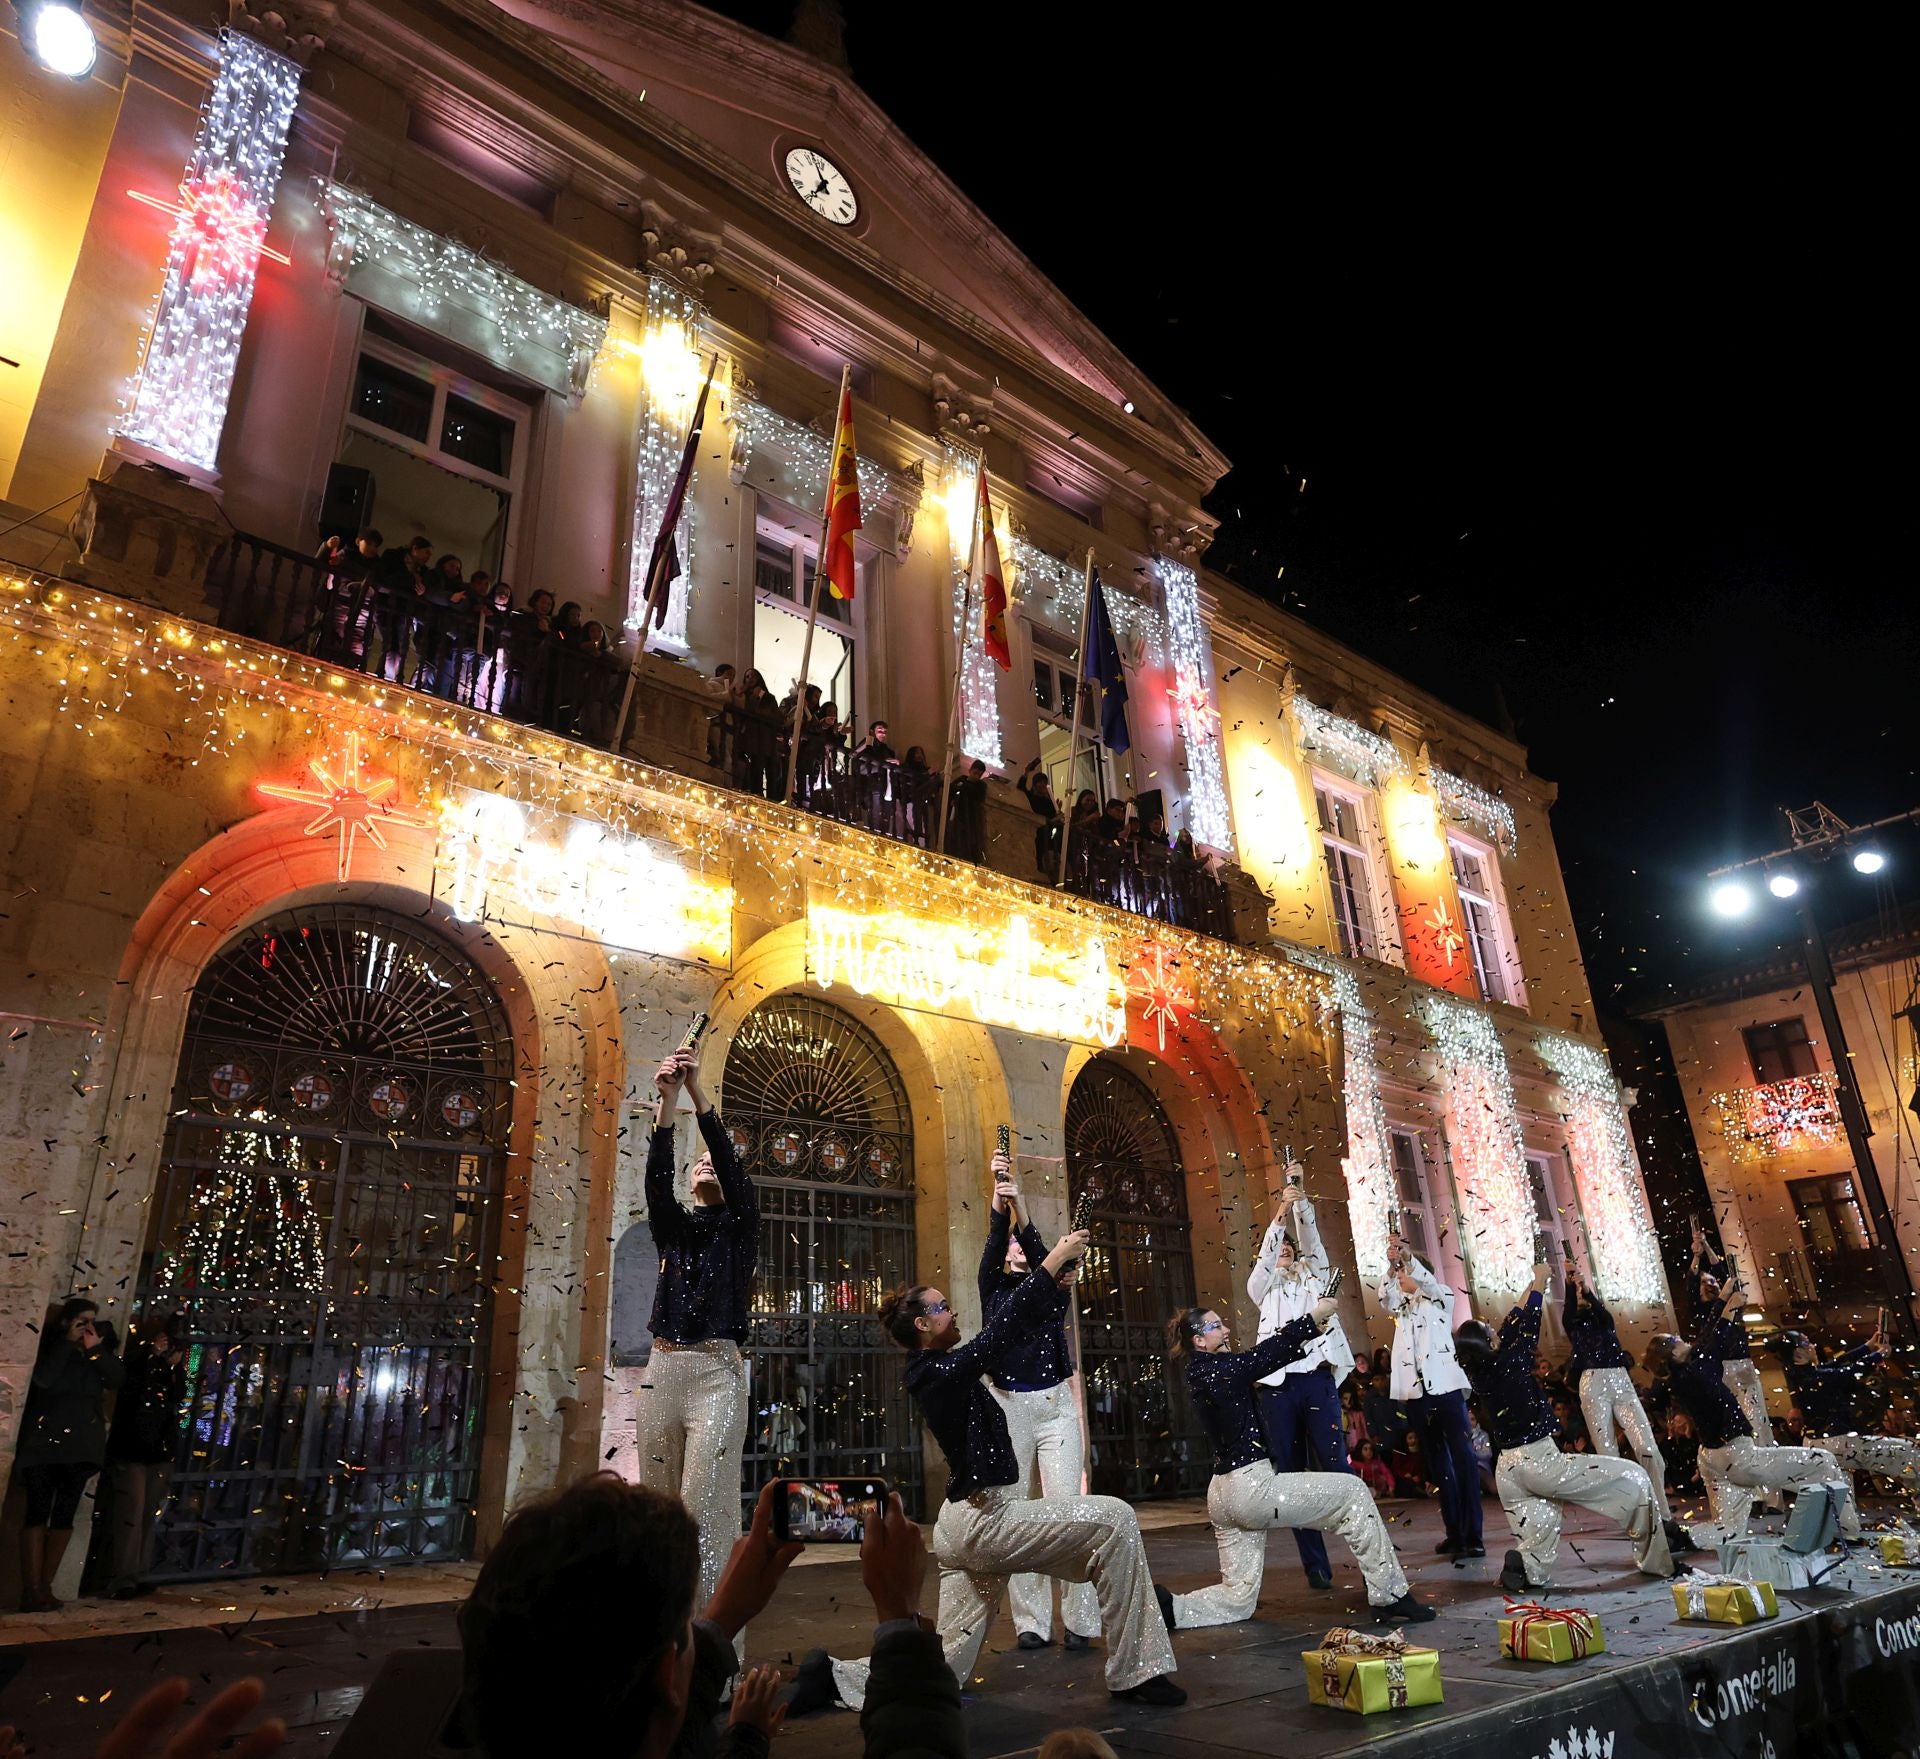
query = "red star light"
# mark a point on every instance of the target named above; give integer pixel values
(1161, 993)
(350, 801)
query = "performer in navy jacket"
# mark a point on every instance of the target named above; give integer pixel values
(1609, 1400)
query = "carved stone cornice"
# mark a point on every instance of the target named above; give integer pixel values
(682, 252)
(296, 29)
(959, 414)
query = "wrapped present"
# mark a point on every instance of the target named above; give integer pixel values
(1532, 1632)
(1725, 1600)
(1354, 1671)
(1902, 1546)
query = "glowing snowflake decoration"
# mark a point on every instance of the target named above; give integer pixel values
(1161, 993)
(352, 803)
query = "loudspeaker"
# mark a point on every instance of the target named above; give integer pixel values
(411, 1711)
(346, 509)
(1150, 802)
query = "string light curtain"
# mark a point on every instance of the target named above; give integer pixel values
(1208, 817)
(1623, 1250)
(178, 404)
(1368, 1163)
(979, 691)
(1056, 591)
(671, 367)
(1489, 1154)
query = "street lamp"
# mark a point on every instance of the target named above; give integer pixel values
(57, 35)
(1868, 860)
(1730, 898)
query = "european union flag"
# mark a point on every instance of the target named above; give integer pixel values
(1100, 664)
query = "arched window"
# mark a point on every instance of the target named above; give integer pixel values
(325, 1220)
(820, 1118)
(1122, 1159)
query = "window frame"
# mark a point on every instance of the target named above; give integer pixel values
(1378, 937)
(804, 556)
(1754, 1053)
(1416, 1142)
(1505, 971)
(1563, 1223)
(1063, 666)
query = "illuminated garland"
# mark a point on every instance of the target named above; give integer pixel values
(979, 690)
(509, 320)
(178, 404)
(672, 370)
(1778, 1117)
(1489, 1153)
(1057, 592)
(1474, 805)
(1622, 1246)
(1371, 1203)
(800, 455)
(1207, 814)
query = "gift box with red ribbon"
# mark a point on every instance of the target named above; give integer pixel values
(1532, 1632)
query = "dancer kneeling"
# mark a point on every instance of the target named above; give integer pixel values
(1531, 1474)
(1247, 1496)
(989, 1528)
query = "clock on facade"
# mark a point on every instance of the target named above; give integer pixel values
(822, 185)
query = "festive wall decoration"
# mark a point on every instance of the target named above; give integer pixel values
(1472, 804)
(351, 798)
(1489, 1155)
(455, 292)
(178, 405)
(800, 456)
(1623, 1251)
(1055, 591)
(1421, 866)
(979, 688)
(1778, 1117)
(1155, 984)
(672, 369)
(1192, 695)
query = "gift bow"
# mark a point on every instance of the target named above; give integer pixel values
(1581, 1624)
(1696, 1587)
(1363, 1646)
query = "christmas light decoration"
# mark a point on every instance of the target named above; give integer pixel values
(979, 691)
(1158, 989)
(1369, 1161)
(1474, 805)
(671, 371)
(1056, 591)
(352, 801)
(1489, 1153)
(456, 292)
(798, 456)
(178, 210)
(178, 405)
(1778, 1117)
(1208, 817)
(1446, 932)
(1622, 1248)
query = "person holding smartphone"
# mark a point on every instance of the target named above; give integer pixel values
(1033, 1382)
(1609, 1400)
(1431, 1386)
(691, 1415)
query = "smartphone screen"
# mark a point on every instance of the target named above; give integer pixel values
(827, 1511)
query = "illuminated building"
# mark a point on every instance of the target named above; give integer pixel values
(265, 895)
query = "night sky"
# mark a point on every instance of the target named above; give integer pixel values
(1561, 373)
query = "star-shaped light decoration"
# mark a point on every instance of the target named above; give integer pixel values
(1161, 993)
(1189, 696)
(1446, 932)
(351, 801)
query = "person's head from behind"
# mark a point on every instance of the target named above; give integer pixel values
(1075, 1743)
(158, 1331)
(916, 757)
(592, 1585)
(1378, 1380)
(977, 769)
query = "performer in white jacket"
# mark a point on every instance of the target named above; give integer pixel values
(1299, 1403)
(1429, 1381)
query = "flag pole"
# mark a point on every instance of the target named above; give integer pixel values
(1073, 732)
(819, 585)
(959, 661)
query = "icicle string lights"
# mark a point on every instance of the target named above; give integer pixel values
(1368, 1163)
(1472, 804)
(1192, 656)
(803, 453)
(979, 689)
(1055, 591)
(1622, 1247)
(672, 368)
(178, 406)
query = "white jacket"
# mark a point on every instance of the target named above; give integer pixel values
(1285, 1296)
(1423, 1358)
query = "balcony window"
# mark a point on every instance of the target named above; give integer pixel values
(1343, 841)
(1475, 880)
(1413, 1192)
(1780, 1051)
(1834, 1227)
(1550, 1212)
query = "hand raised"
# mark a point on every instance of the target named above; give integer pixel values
(893, 1563)
(752, 1572)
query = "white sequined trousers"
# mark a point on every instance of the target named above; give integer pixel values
(1735, 1472)
(1880, 1456)
(1045, 1430)
(1743, 1381)
(1245, 1503)
(1534, 1480)
(691, 1424)
(998, 1533)
(1611, 1405)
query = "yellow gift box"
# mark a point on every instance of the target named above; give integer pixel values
(1900, 1548)
(1531, 1632)
(1725, 1600)
(1353, 1671)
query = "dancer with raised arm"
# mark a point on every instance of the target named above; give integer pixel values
(1247, 1497)
(1715, 1278)
(1432, 1387)
(1533, 1477)
(691, 1419)
(1300, 1401)
(1837, 1405)
(1034, 1383)
(1609, 1400)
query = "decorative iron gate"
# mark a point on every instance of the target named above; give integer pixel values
(325, 1221)
(1121, 1153)
(818, 1114)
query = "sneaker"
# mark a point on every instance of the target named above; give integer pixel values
(1033, 1640)
(1073, 1640)
(1446, 1548)
(1404, 1611)
(1513, 1576)
(1160, 1692)
(812, 1687)
(1166, 1604)
(1318, 1579)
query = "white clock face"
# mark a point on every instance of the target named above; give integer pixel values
(820, 183)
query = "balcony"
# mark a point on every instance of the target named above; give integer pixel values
(1778, 1118)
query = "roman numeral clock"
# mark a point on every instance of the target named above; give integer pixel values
(822, 185)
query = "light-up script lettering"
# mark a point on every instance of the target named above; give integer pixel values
(621, 890)
(1002, 976)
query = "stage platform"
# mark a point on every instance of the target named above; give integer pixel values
(1841, 1663)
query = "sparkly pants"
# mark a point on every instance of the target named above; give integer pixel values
(1743, 1381)
(1245, 1503)
(1881, 1456)
(1533, 1481)
(1611, 1405)
(1743, 1466)
(692, 1427)
(998, 1533)
(1045, 1430)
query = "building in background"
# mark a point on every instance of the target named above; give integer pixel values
(344, 937)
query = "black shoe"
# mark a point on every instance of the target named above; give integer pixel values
(1474, 1550)
(1166, 1605)
(1160, 1692)
(1318, 1579)
(1404, 1611)
(1446, 1548)
(812, 1687)
(1033, 1640)
(1513, 1576)
(1679, 1540)
(1073, 1640)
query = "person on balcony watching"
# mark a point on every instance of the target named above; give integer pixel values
(967, 815)
(526, 640)
(399, 584)
(1038, 788)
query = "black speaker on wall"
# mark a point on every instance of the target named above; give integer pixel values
(1151, 803)
(346, 509)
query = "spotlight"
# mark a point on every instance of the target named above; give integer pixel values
(1127, 405)
(58, 36)
(1782, 885)
(1868, 860)
(1731, 898)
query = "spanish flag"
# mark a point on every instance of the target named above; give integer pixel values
(993, 586)
(843, 502)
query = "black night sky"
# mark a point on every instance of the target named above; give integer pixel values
(1562, 373)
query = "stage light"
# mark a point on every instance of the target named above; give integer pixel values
(1782, 885)
(1731, 898)
(1868, 860)
(58, 37)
